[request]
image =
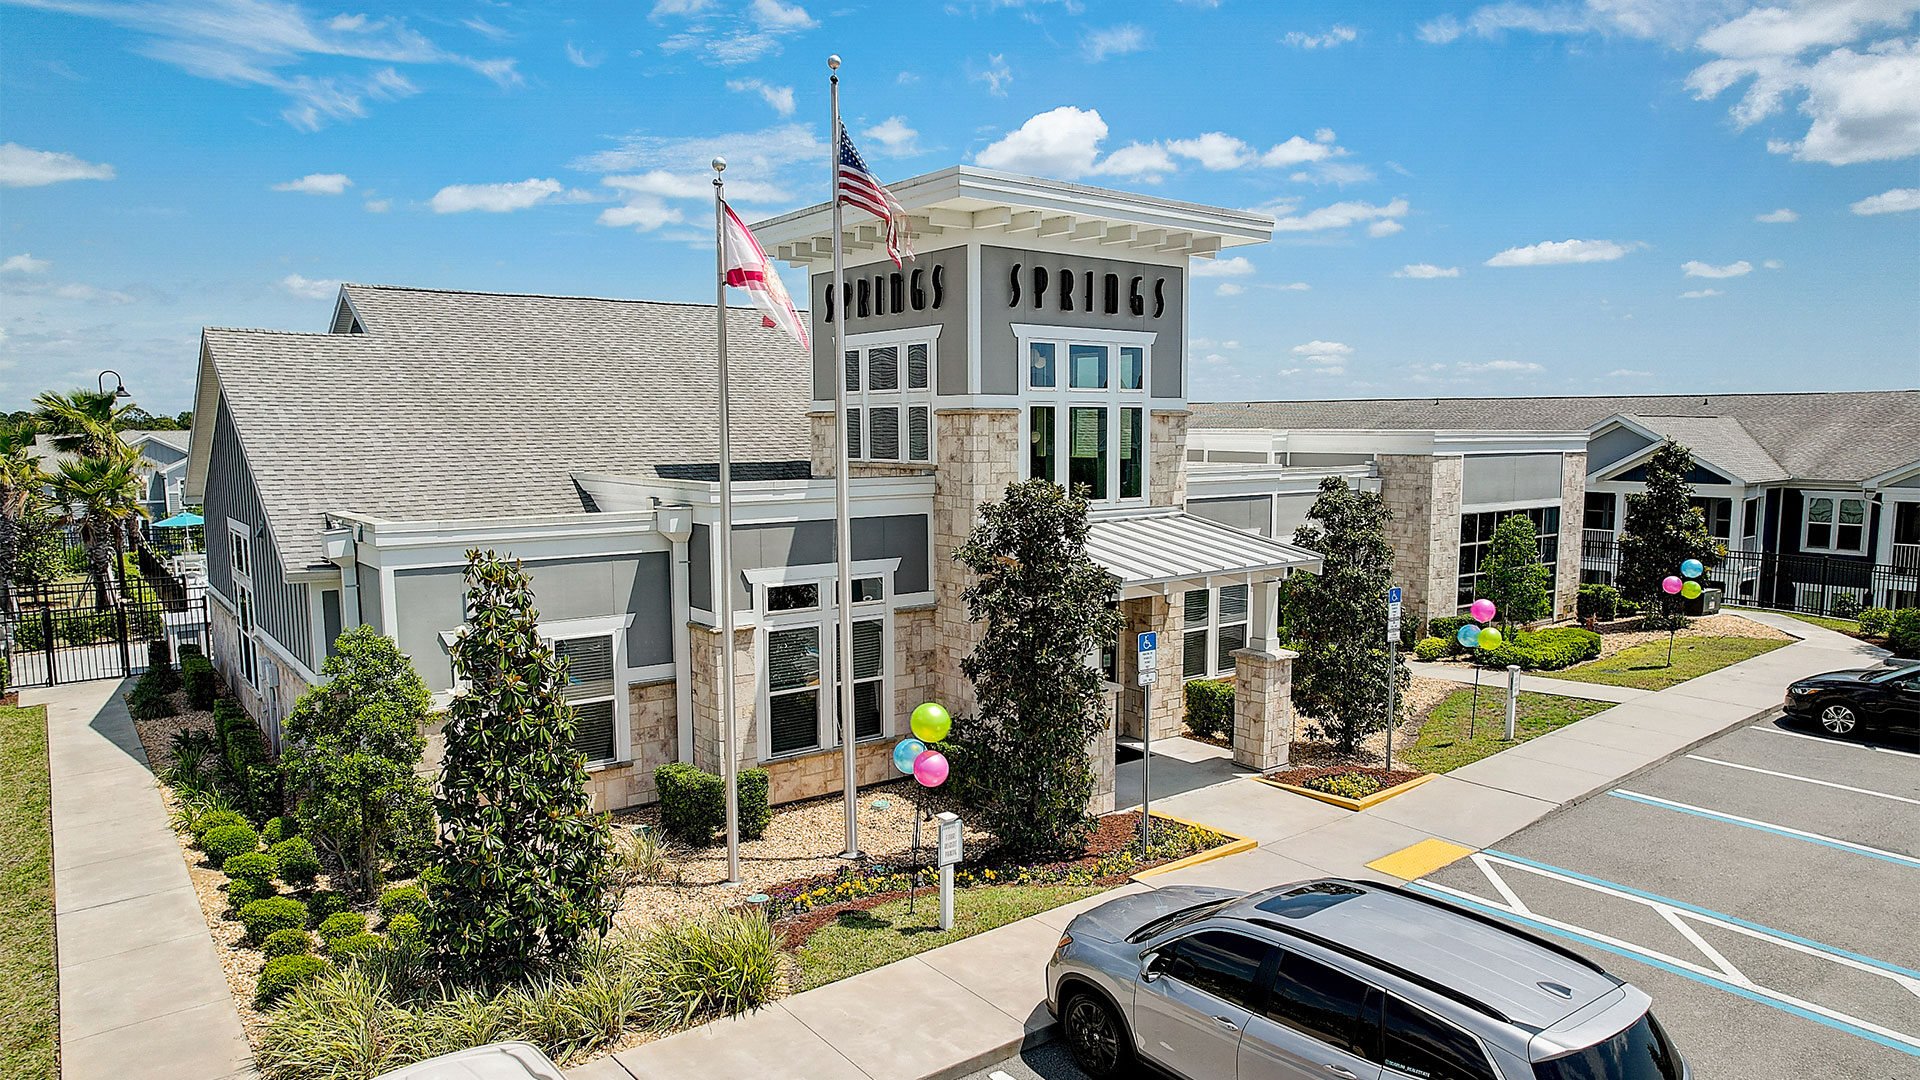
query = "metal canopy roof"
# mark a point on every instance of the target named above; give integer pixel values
(1169, 545)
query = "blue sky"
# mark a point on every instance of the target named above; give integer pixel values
(1566, 197)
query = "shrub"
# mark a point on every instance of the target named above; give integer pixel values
(149, 702)
(278, 829)
(85, 628)
(1210, 708)
(1346, 785)
(1511, 574)
(402, 900)
(355, 947)
(298, 863)
(1447, 629)
(1597, 601)
(1875, 621)
(226, 841)
(693, 802)
(1903, 633)
(342, 924)
(431, 880)
(1431, 649)
(323, 905)
(255, 868)
(196, 675)
(640, 857)
(190, 648)
(160, 669)
(6, 672)
(283, 974)
(404, 930)
(725, 963)
(242, 893)
(1544, 650)
(1846, 606)
(212, 819)
(293, 941)
(263, 917)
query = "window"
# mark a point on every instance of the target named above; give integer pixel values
(793, 689)
(240, 559)
(1750, 518)
(1599, 511)
(801, 707)
(1834, 523)
(1476, 537)
(590, 688)
(1215, 625)
(890, 402)
(1639, 1053)
(1223, 964)
(1718, 514)
(1423, 1045)
(1321, 1003)
(1087, 425)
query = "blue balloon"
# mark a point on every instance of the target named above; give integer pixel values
(1692, 568)
(1468, 635)
(905, 751)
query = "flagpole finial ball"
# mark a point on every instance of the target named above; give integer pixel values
(719, 164)
(833, 62)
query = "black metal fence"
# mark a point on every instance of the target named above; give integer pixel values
(1810, 584)
(65, 633)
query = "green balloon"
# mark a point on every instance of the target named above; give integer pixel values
(931, 722)
(1691, 590)
(1490, 638)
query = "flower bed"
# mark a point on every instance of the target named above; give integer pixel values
(1352, 787)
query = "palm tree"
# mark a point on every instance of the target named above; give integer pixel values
(100, 495)
(21, 484)
(83, 422)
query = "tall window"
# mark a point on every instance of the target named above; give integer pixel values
(890, 402)
(1086, 425)
(1476, 538)
(590, 689)
(1214, 627)
(1599, 511)
(801, 708)
(1718, 514)
(1834, 523)
(240, 558)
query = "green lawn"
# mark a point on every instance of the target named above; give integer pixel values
(1839, 626)
(1645, 666)
(29, 998)
(862, 940)
(1444, 744)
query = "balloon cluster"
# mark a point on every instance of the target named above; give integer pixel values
(1689, 588)
(1477, 634)
(931, 722)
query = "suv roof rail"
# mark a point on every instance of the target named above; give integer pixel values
(1387, 966)
(1551, 946)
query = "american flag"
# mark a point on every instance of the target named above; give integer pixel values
(860, 189)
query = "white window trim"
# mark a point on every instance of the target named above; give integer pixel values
(1215, 670)
(246, 607)
(825, 618)
(1807, 499)
(904, 398)
(1062, 396)
(623, 676)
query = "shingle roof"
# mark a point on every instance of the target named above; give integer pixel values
(1846, 436)
(484, 404)
(51, 458)
(1721, 440)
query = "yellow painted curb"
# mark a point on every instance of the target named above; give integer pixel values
(1419, 860)
(1235, 845)
(1374, 799)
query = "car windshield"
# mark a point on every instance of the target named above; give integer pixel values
(1180, 918)
(1906, 672)
(1639, 1053)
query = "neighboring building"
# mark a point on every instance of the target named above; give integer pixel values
(1040, 332)
(163, 466)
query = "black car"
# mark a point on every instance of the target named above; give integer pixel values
(1885, 699)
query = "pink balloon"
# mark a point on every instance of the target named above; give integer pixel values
(1670, 585)
(930, 768)
(1482, 611)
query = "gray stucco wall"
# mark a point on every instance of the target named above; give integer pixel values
(948, 266)
(429, 601)
(1244, 512)
(1606, 448)
(1313, 458)
(280, 608)
(1000, 363)
(1290, 512)
(1496, 479)
(810, 543)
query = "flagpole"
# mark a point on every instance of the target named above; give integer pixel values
(730, 746)
(842, 529)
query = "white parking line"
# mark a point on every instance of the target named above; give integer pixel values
(1768, 826)
(1833, 742)
(1804, 779)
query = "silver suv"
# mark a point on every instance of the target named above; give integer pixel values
(1340, 979)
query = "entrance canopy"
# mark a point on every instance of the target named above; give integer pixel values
(1151, 551)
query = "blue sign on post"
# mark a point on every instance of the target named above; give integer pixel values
(1147, 645)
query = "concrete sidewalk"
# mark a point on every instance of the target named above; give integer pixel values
(141, 988)
(948, 1011)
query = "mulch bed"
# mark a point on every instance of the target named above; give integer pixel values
(1298, 777)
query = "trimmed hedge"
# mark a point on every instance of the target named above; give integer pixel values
(1903, 633)
(227, 841)
(405, 930)
(253, 868)
(278, 829)
(1432, 648)
(263, 917)
(1210, 708)
(196, 675)
(1597, 601)
(1446, 628)
(342, 924)
(242, 893)
(295, 861)
(293, 941)
(355, 947)
(1875, 621)
(160, 667)
(214, 819)
(284, 974)
(693, 802)
(1544, 650)
(324, 904)
(402, 900)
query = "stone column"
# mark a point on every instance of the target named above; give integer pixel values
(1167, 458)
(707, 729)
(1573, 514)
(1163, 616)
(980, 454)
(1262, 708)
(1100, 759)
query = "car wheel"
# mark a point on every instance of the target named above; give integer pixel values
(1096, 1036)
(1839, 719)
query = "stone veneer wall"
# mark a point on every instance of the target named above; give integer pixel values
(1573, 512)
(1423, 497)
(980, 454)
(1263, 717)
(1164, 617)
(652, 743)
(1167, 459)
(223, 647)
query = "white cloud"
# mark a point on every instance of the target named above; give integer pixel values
(1329, 356)
(1334, 35)
(1233, 266)
(1561, 252)
(1518, 367)
(894, 136)
(1215, 150)
(642, 214)
(997, 75)
(779, 98)
(1897, 201)
(1228, 288)
(1293, 286)
(332, 183)
(310, 288)
(377, 206)
(1339, 216)
(1774, 264)
(1696, 268)
(1063, 142)
(774, 15)
(578, 57)
(1384, 228)
(23, 263)
(760, 153)
(730, 40)
(661, 183)
(1298, 151)
(1782, 216)
(1699, 294)
(1114, 41)
(1145, 161)
(495, 198)
(24, 167)
(1425, 271)
(1629, 373)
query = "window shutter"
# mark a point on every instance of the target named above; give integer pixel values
(593, 735)
(883, 367)
(917, 367)
(853, 371)
(883, 434)
(919, 444)
(853, 434)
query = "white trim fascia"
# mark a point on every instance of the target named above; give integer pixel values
(1092, 335)
(1204, 483)
(1893, 476)
(223, 600)
(809, 573)
(206, 403)
(771, 501)
(312, 575)
(273, 646)
(387, 533)
(1556, 503)
(317, 623)
(911, 335)
(1640, 456)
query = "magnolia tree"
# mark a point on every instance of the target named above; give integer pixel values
(1662, 530)
(1512, 576)
(1021, 760)
(1339, 617)
(524, 853)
